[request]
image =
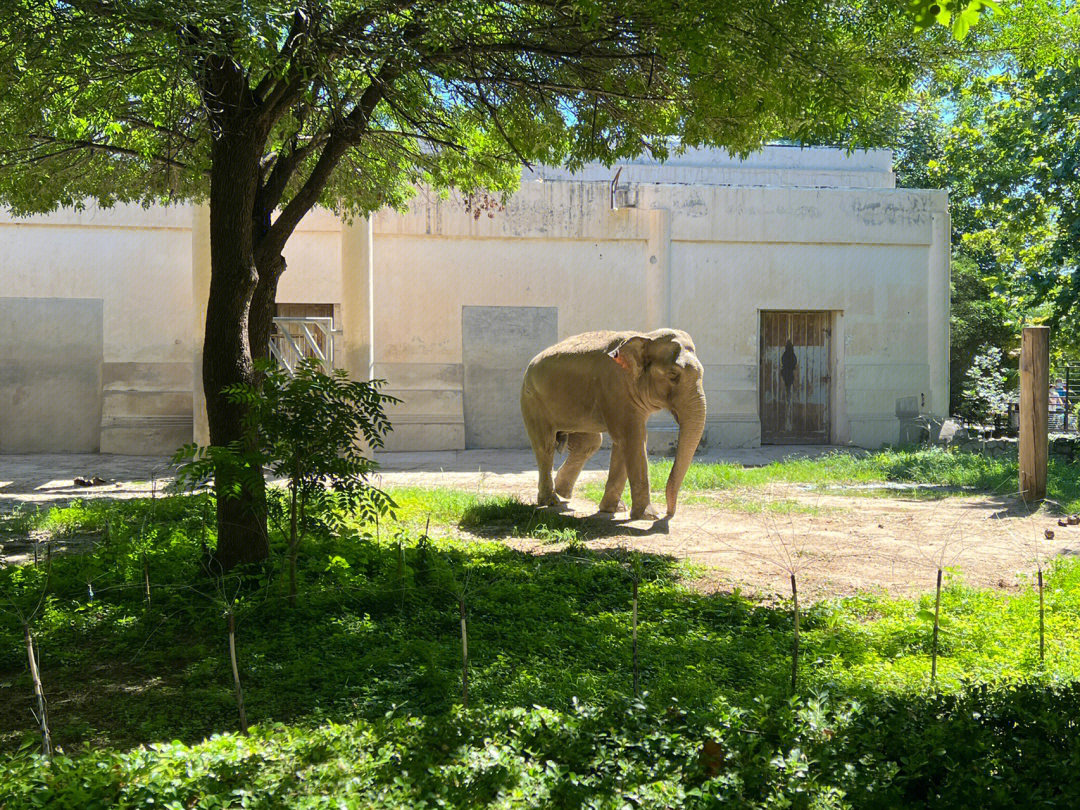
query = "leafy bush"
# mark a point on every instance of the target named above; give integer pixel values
(310, 428)
(987, 747)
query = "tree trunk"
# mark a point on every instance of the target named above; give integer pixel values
(261, 311)
(241, 518)
(269, 268)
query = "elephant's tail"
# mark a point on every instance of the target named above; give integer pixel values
(560, 442)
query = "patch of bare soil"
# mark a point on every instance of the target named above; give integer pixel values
(836, 543)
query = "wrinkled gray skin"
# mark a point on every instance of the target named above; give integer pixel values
(611, 382)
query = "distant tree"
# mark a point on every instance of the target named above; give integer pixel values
(977, 318)
(999, 128)
(984, 399)
(267, 108)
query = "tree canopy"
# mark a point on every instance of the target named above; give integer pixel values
(355, 102)
(999, 129)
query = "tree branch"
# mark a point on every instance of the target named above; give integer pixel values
(337, 144)
(94, 146)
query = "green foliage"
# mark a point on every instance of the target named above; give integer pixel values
(354, 691)
(310, 428)
(977, 318)
(933, 465)
(449, 94)
(959, 472)
(996, 129)
(984, 400)
(956, 15)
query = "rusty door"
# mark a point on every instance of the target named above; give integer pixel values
(795, 377)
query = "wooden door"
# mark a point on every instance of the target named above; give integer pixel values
(794, 386)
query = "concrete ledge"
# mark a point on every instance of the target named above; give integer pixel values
(147, 376)
(414, 436)
(120, 404)
(733, 433)
(443, 403)
(146, 436)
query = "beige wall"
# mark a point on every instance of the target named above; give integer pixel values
(705, 259)
(698, 253)
(138, 264)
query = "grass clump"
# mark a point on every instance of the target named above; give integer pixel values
(932, 466)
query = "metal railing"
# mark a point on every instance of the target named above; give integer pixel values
(296, 339)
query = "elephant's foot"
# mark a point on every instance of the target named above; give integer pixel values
(564, 490)
(551, 499)
(646, 512)
(611, 508)
(672, 501)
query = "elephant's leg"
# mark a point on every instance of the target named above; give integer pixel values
(580, 448)
(616, 480)
(637, 470)
(542, 438)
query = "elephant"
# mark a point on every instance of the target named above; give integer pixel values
(612, 381)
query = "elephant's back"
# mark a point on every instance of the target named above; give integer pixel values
(571, 367)
(581, 346)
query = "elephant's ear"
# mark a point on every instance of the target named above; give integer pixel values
(668, 354)
(632, 354)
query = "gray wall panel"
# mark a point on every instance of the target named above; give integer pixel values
(497, 345)
(50, 375)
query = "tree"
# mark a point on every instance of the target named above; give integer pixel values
(267, 108)
(979, 313)
(998, 129)
(985, 401)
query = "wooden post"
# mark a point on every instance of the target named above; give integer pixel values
(1034, 410)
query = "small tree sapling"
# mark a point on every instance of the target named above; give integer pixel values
(312, 429)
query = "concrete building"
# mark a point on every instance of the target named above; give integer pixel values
(816, 291)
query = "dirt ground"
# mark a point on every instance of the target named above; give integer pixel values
(837, 542)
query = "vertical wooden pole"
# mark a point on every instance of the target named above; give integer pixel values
(795, 645)
(39, 693)
(637, 684)
(1034, 410)
(236, 673)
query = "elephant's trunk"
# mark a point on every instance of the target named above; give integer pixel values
(690, 414)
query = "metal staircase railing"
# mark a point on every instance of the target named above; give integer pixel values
(296, 339)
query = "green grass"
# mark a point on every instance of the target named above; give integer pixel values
(924, 466)
(356, 692)
(959, 473)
